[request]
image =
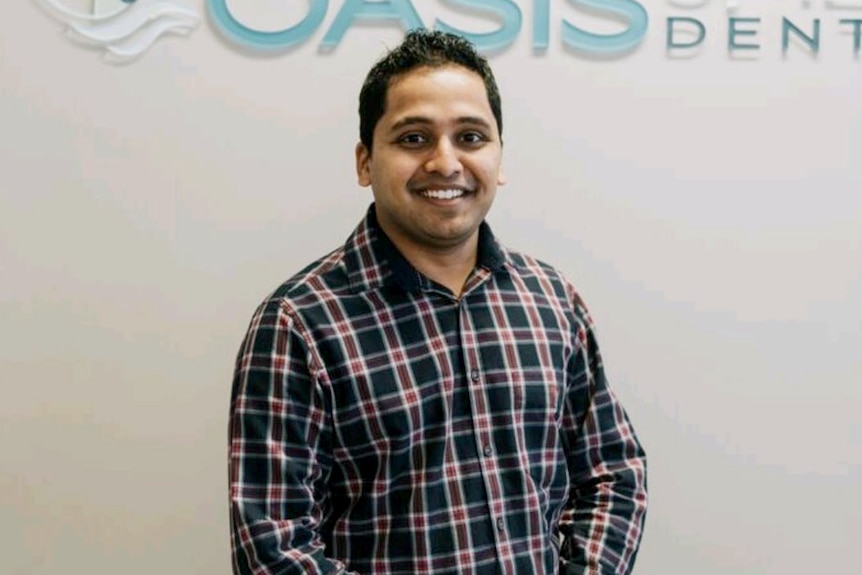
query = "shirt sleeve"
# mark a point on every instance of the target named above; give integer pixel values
(602, 524)
(279, 452)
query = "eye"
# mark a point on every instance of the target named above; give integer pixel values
(412, 140)
(473, 137)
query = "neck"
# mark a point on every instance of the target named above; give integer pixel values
(449, 267)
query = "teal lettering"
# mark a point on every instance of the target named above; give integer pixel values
(507, 11)
(813, 42)
(401, 10)
(671, 28)
(541, 24)
(630, 10)
(733, 32)
(237, 32)
(857, 32)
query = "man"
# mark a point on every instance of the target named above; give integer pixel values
(423, 400)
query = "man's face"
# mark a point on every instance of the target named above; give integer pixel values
(435, 164)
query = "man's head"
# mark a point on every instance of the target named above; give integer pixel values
(421, 48)
(431, 149)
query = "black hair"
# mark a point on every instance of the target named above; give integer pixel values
(421, 48)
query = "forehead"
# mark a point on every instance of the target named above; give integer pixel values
(436, 90)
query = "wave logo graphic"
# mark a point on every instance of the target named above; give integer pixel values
(124, 29)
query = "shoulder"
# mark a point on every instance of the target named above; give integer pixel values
(543, 278)
(538, 274)
(323, 279)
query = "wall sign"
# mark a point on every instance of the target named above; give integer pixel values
(125, 29)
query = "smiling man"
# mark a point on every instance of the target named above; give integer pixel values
(424, 400)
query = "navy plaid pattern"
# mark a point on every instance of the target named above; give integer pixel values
(381, 426)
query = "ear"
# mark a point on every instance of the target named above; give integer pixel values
(501, 177)
(363, 165)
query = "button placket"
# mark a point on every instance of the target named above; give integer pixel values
(483, 436)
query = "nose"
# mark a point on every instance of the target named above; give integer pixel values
(444, 159)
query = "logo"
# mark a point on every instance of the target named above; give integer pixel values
(600, 29)
(122, 29)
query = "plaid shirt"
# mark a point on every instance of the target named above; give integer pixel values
(381, 426)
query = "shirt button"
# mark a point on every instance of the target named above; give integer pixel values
(474, 375)
(487, 451)
(500, 525)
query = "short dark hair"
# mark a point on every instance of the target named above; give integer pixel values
(421, 48)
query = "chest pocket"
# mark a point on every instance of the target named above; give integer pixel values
(537, 395)
(391, 408)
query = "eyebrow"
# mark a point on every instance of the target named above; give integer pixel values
(422, 120)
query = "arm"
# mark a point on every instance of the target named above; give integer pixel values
(279, 452)
(603, 521)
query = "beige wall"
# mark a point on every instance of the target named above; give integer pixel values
(709, 208)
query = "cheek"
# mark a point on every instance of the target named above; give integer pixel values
(393, 172)
(492, 175)
(488, 165)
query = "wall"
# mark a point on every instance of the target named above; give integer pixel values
(707, 203)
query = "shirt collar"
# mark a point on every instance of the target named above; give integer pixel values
(372, 259)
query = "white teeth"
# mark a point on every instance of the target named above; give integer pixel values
(443, 194)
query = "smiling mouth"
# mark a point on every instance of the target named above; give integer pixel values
(450, 194)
